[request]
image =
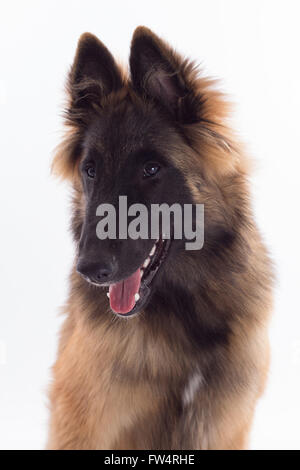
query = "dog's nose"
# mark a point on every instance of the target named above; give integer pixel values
(95, 272)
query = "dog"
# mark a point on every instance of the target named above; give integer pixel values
(182, 364)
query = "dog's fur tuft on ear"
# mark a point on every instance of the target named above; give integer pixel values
(94, 74)
(160, 74)
(156, 70)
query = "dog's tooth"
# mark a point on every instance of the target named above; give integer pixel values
(153, 250)
(137, 296)
(141, 273)
(107, 293)
(146, 263)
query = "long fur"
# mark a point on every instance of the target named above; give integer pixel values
(187, 372)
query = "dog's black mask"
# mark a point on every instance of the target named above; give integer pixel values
(122, 157)
(128, 137)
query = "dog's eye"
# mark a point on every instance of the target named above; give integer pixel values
(91, 171)
(151, 169)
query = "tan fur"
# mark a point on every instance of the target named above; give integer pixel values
(92, 410)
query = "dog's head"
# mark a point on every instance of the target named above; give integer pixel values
(155, 137)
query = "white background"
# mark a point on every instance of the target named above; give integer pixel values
(254, 47)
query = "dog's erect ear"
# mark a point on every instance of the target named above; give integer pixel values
(94, 74)
(156, 70)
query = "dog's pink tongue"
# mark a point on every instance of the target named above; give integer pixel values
(122, 294)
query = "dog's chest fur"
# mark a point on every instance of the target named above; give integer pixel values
(123, 392)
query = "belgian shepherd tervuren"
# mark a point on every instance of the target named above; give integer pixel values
(182, 364)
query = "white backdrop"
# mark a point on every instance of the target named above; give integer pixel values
(253, 45)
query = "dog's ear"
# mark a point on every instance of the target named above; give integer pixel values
(94, 74)
(157, 72)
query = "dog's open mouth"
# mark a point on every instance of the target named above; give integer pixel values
(129, 296)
